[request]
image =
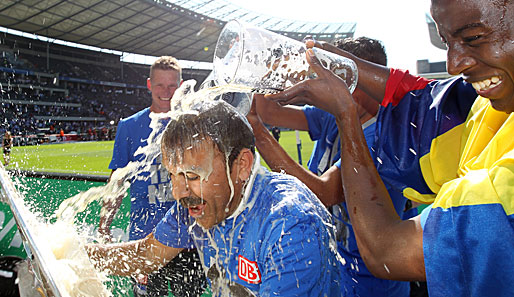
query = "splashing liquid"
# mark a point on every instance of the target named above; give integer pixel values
(184, 101)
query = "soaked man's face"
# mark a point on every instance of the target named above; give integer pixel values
(200, 183)
(480, 39)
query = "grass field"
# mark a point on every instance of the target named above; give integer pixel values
(94, 157)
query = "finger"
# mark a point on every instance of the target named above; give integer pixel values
(315, 63)
(300, 100)
(288, 94)
(333, 49)
(306, 38)
(310, 43)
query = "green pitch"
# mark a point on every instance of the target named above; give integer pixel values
(78, 157)
(288, 142)
(94, 157)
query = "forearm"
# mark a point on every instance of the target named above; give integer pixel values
(274, 114)
(131, 258)
(390, 247)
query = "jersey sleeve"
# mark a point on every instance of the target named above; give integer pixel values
(172, 230)
(315, 119)
(121, 149)
(399, 83)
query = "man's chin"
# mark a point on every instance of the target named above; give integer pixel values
(204, 226)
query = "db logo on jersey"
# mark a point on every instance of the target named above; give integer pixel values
(248, 271)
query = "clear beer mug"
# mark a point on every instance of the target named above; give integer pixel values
(261, 61)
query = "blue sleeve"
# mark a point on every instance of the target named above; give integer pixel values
(315, 119)
(121, 149)
(172, 230)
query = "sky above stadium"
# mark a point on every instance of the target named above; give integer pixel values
(399, 24)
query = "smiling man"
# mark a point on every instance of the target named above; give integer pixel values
(258, 233)
(462, 244)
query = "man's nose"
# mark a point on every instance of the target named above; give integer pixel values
(458, 59)
(180, 188)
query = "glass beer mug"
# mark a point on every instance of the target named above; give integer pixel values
(264, 62)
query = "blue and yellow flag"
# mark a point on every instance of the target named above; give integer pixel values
(469, 233)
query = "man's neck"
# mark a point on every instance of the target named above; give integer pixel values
(156, 110)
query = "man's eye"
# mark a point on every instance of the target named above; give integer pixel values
(191, 176)
(472, 38)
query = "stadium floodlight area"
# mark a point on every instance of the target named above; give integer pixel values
(187, 30)
(225, 11)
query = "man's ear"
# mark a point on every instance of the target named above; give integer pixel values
(245, 163)
(149, 84)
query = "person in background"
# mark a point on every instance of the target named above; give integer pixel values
(276, 132)
(259, 233)
(462, 244)
(6, 146)
(150, 191)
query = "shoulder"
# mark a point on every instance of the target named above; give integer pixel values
(137, 117)
(286, 197)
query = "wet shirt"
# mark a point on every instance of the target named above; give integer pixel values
(150, 192)
(358, 281)
(468, 232)
(280, 244)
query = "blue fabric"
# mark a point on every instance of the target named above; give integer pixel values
(284, 232)
(323, 130)
(151, 192)
(464, 255)
(405, 131)
(357, 279)
(468, 237)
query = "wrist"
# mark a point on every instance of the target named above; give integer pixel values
(348, 113)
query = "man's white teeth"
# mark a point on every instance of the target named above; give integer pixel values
(486, 84)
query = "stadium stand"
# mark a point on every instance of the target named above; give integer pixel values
(82, 92)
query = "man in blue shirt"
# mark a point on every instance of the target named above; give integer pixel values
(150, 190)
(324, 178)
(258, 233)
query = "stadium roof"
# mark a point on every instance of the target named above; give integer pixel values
(186, 29)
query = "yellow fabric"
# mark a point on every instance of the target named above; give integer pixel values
(473, 163)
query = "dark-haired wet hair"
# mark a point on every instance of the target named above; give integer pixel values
(365, 48)
(217, 121)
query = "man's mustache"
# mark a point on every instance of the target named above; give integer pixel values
(190, 201)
